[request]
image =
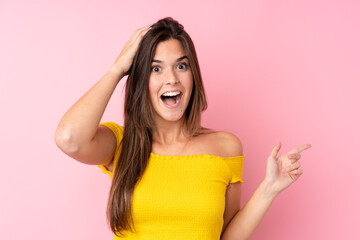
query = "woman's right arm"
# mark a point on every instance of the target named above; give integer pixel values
(78, 133)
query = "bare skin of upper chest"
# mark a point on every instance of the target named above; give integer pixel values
(205, 143)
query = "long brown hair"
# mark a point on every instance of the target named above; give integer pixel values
(139, 120)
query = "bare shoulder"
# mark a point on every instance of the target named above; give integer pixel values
(229, 144)
(226, 144)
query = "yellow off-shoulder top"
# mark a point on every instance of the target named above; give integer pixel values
(179, 197)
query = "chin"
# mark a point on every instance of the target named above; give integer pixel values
(172, 117)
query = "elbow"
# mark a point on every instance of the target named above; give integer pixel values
(65, 143)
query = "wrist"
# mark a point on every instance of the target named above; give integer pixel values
(117, 71)
(268, 189)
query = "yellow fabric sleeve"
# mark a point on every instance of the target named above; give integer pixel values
(118, 131)
(235, 165)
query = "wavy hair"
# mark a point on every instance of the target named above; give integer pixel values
(139, 119)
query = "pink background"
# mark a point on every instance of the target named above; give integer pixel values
(273, 71)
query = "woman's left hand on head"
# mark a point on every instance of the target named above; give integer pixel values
(282, 171)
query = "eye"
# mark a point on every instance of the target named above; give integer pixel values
(155, 69)
(182, 66)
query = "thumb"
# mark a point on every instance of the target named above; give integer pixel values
(275, 150)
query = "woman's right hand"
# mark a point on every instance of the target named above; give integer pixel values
(123, 62)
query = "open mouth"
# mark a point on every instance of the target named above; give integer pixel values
(171, 99)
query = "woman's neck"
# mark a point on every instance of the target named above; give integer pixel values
(166, 132)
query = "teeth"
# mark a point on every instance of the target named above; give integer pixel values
(171, 94)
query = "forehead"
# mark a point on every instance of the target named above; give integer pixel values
(169, 50)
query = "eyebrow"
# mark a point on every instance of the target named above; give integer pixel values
(177, 60)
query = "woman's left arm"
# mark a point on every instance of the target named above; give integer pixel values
(280, 173)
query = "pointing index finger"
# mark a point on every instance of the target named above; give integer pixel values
(300, 149)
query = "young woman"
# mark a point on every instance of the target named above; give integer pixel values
(171, 178)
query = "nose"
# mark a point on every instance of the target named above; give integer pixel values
(170, 77)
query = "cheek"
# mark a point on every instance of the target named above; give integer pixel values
(189, 83)
(154, 88)
(154, 85)
(186, 79)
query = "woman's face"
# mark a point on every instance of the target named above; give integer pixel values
(171, 81)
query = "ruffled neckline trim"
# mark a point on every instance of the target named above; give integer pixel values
(174, 157)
